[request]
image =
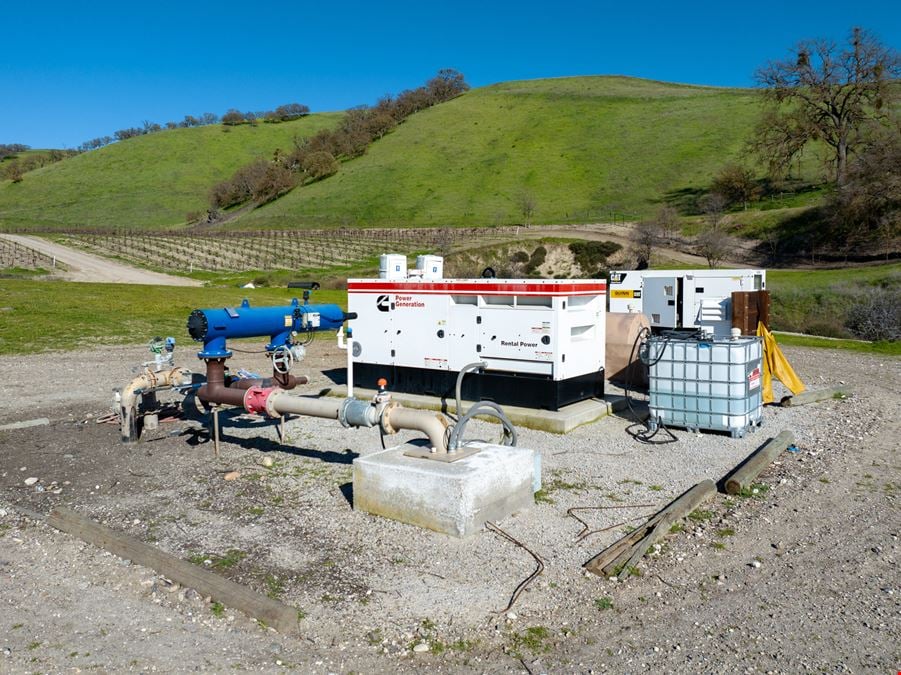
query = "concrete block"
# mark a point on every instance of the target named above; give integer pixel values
(455, 498)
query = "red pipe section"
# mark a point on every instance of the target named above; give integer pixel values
(280, 380)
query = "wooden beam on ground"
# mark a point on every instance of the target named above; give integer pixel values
(806, 397)
(745, 473)
(630, 549)
(271, 612)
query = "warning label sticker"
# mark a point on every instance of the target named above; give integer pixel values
(621, 293)
(754, 379)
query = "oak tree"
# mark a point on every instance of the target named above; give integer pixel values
(824, 92)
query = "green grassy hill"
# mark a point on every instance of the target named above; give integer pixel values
(20, 156)
(148, 181)
(577, 146)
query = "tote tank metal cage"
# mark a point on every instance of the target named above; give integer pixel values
(697, 383)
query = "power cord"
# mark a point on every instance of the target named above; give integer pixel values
(644, 433)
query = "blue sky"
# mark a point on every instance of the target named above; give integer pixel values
(68, 74)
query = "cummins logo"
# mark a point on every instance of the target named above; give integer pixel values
(382, 303)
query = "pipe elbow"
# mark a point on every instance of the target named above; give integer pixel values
(433, 425)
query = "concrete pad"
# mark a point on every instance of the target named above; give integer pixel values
(554, 421)
(455, 498)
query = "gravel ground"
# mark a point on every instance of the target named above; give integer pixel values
(801, 575)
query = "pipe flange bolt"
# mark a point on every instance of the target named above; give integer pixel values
(385, 417)
(255, 399)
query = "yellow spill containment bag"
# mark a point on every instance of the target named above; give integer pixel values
(776, 365)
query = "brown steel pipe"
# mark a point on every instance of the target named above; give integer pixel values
(280, 380)
(215, 391)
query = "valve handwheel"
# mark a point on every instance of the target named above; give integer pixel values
(282, 360)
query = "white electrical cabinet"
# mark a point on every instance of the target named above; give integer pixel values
(683, 298)
(541, 339)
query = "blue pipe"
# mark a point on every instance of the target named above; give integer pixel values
(214, 326)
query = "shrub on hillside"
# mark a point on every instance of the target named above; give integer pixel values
(12, 149)
(736, 184)
(591, 256)
(241, 187)
(317, 156)
(291, 111)
(233, 117)
(274, 182)
(320, 164)
(131, 132)
(536, 260)
(877, 316)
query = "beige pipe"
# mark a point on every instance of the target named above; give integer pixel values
(146, 381)
(150, 380)
(280, 403)
(393, 417)
(432, 424)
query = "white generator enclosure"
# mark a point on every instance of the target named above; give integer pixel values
(683, 298)
(541, 340)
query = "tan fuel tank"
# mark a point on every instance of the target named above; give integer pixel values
(622, 330)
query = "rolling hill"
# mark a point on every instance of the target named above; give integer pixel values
(575, 148)
(147, 181)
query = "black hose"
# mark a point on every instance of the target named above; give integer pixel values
(455, 440)
(646, 435)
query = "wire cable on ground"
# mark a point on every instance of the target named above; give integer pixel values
(586, 528)
(529, 579)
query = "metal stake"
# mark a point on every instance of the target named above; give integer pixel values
(216, 430)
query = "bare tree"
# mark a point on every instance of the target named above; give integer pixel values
(233, 117)
(645, 237)
(714, 246)
(667, 217)
(713, 205)
(291, 111)
(868, 205)
(825, 93)
(527, 206)
(736, 184)
(446, 84)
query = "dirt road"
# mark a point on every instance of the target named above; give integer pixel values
(86, 267)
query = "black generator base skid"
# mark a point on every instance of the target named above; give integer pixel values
(527, 391)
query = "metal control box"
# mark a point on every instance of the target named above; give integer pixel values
(541, 339)
(683, 298)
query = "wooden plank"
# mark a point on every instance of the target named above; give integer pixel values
(806, 397)
(641, 548)
(745, 473)
(620, 552)
(271, 612)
